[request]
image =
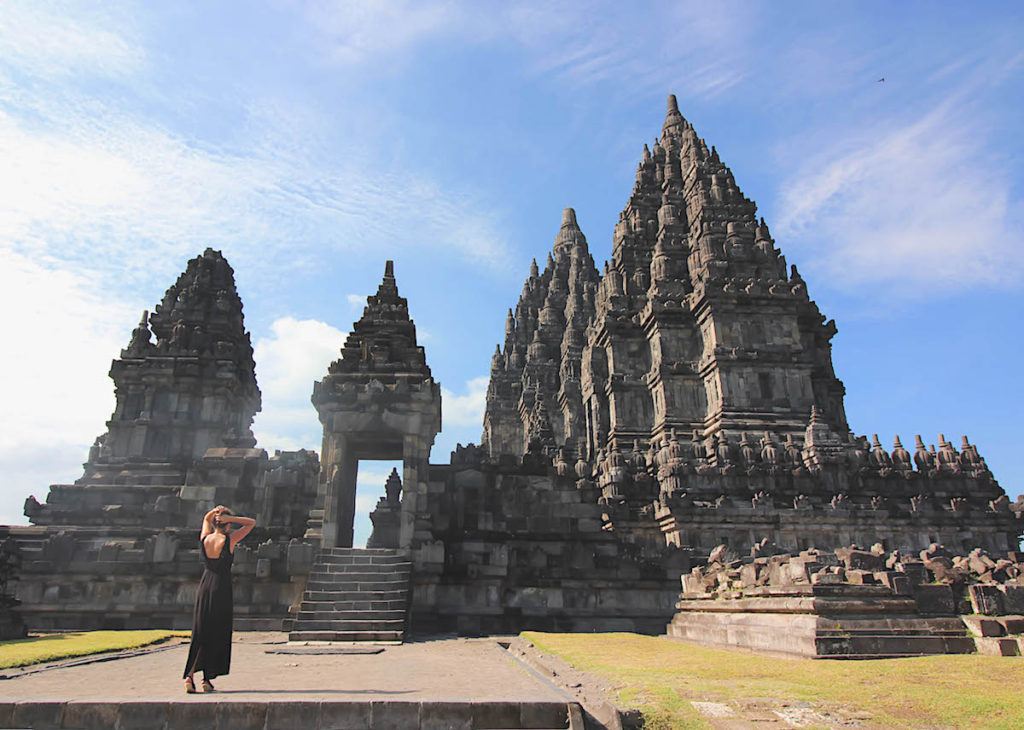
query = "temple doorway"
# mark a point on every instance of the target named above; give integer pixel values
(371, 477)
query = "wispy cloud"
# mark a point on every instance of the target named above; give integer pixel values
(568, 42)
(921, 203)
(357, 30)
(68, 39)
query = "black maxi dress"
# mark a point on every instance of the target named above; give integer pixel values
(211, 621)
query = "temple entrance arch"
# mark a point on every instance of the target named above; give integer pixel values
(377, 402)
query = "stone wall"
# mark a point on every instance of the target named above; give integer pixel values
(127, 556)
(11, 624)
(517, 546)
(110, 578)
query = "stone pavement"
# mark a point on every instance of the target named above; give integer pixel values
(442, 679)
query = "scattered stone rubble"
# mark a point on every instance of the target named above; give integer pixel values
(907, 597)
(980, 583)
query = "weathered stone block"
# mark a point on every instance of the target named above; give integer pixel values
(297, 715)
(1013, 599)
(543, 714)
(345, 715)
(1012, 624)
(446, 716)
(898, 583)
(90, 715)
(241, 715)
(142, 715)
(497, 715)
(935, 599)
(997, 646)
(980, 626)
(986, 599)
(43, 715)
(395, 715)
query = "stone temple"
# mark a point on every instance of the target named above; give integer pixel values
(675, 414)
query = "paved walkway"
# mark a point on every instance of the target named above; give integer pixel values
(449, 670)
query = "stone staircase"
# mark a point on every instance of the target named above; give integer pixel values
(354, 594)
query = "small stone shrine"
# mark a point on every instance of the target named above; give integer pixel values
(674, 415)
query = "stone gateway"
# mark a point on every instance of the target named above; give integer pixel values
(675, 414)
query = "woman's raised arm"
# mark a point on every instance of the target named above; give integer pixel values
(208, 521)
(245, 525)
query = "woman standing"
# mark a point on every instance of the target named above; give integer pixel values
(211, 622)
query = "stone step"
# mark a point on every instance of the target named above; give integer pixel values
(997, 645)
(336, 595)
(332, 569)
(361, 551)
(413, 715)
(331, 615)
(361, 567)
(358, 605)
(360, 559)
(346, 625)
(356, 577)
(345, 635)
(369, 586)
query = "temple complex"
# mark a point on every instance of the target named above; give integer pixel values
(675, 414)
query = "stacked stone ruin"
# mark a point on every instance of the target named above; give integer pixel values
(118, 548)
(853, 602)
(684, 398)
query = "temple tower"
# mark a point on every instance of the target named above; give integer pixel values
(534, 392)
(699, 325)
(378, 401)
(192, 389)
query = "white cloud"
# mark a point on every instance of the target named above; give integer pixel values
(60, 335)
(919, 205)
(288, 361)
(356, 30)
(59, 39)
(466, 410)
(356, 301)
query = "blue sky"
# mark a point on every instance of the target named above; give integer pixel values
(310, 141)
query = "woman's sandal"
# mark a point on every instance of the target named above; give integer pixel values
(208, 686)
(190, 687)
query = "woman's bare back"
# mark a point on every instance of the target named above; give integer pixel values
(214, 543)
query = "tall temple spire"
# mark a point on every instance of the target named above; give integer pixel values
(546, 332)
(718, 335)
(674, 121)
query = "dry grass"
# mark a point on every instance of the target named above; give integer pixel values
(38, 649)
(661, 676)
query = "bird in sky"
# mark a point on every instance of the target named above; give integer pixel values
(881, 80)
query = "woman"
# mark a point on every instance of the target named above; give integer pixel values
(211, 621)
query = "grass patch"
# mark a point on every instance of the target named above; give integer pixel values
(660, 677)
(38, 649)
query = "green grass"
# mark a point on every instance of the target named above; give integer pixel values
(660, 677)
(38, 649)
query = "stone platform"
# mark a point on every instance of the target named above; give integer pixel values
(447, 683)
(821, 623)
